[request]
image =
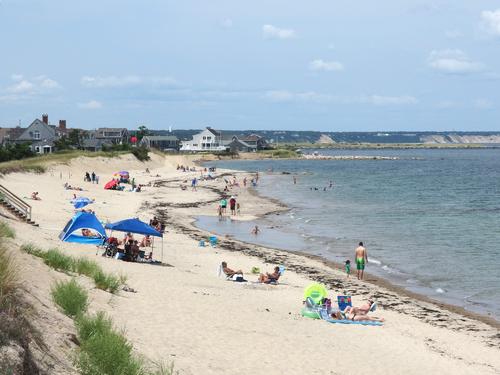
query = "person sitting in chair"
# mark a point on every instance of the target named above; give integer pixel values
(229, 272)
(268, 278)
(146, 241)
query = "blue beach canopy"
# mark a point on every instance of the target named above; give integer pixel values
(81, 202)
(83, 220)
(134, 226)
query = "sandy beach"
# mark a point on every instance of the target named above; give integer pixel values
(184, 313)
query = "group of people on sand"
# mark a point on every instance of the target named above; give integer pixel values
(264, 278)
(185, 168)
(91, 177)
(131, 247)
(234, 206)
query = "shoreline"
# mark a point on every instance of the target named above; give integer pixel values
(233, 244)
(187, 311)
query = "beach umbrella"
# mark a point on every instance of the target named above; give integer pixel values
(81, 202)
(110, 185)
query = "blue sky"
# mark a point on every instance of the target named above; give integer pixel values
(261, 64)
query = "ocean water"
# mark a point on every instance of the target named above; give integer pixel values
(430, 220)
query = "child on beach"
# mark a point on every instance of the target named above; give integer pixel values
(348, 267)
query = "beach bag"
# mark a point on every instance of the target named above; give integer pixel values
(238, 278)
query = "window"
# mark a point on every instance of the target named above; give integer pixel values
(37, 149)
(204, 137)
(36, 134)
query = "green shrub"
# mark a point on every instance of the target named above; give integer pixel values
(59, 261)
(141, 153)
(6, 230)
(104, 351)
(71, 297)
(84, 266)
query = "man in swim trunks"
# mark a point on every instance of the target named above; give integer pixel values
(361, 259)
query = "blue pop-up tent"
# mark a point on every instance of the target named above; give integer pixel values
(136, 226)
(83, 220)
(81, 202)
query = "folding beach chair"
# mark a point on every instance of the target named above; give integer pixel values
(343, 302)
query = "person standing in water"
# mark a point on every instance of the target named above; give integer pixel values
(295, 180)
(361, 256)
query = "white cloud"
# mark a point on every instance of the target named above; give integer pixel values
(227, 23)
(491, 21)
(273, 32)
(482, 103)
(48, 83)
(389, 100)
(92, 104)
(290, 96)
(22, 87)
(453, 61)
(327, 66)
(453, 34)
(125, 81)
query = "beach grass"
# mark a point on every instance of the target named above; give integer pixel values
(38, 164)
(8, 277)
(6, 231)
(71, 297)
(65, 263)
(32, 250)
(108, 282)
(59, 261)
(104, 350)
(84, 266)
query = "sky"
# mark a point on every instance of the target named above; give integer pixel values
(394, 65)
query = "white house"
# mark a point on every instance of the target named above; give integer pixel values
(208, 140)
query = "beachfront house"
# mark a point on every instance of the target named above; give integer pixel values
(94, 140)
(115, 136)
(249, 143)
(160, 142)
(207, 140)
(41, 135)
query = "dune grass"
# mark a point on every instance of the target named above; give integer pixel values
(59, 261)
(8, 277)
(71, 297)
(108, 282)
(6, 230)
(82, 266)
(104, 351)
(38, 164)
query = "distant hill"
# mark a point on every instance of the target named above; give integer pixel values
(288, 136)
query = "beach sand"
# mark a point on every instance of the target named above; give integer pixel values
(185, 313)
